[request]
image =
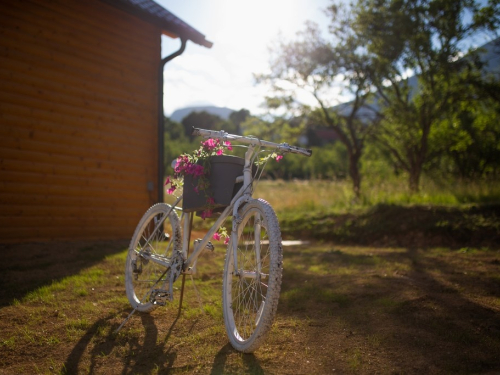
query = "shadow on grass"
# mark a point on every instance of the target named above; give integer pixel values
(139, 356)
(393, 225)
(28, 266)
(144, 355)
(250, 363)
(412, 309)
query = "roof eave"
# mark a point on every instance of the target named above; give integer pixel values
(180, 28)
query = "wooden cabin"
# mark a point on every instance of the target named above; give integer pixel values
(81, 115)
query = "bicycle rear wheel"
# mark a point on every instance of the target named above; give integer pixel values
(158, 234)
(251, 293)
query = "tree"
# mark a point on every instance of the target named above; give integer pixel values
(278, 129)
(473, 142)
(426, 39)
(238, 117)
(175, 143)
(323, 71)
(173, 129)
(203, 120)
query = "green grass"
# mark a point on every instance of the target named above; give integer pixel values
(386, 212)
(463, 226)
(328, 210)
(420, 281)
(337, 196)
(80, 284)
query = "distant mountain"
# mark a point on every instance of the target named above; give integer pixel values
(222, 112)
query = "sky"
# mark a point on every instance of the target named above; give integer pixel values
(242, 32)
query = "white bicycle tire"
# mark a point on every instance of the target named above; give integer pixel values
(138, 284)
(250, 302)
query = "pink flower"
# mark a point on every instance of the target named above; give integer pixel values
(209, 144)
(226, 241)
(205, 214)
(228, 145)
(279, 157)
(219, 152)
(217, 236)
(171, 190)
(167, 181)
(198, 171)
(210, 201)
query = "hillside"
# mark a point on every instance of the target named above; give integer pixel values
(222, 112)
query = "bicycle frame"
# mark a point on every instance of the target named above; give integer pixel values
(243, 195)
(158, 290)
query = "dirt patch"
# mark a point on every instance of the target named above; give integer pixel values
(343, 309)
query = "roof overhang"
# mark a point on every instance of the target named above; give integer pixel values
(153, 13)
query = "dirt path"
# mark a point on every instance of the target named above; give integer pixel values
(343, 309)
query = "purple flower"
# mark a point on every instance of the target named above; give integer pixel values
(205, 214)
(198, 170)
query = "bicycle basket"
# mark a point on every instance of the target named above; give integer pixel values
(223, 172)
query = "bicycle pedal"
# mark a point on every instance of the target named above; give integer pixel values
(159, 297)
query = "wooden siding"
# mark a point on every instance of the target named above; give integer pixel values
(78, 120)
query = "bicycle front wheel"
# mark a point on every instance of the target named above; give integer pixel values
(251, 292)
(157, 235)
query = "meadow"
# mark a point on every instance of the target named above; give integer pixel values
(380, 286)
(337, 196)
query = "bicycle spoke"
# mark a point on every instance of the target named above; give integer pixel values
(150, 254)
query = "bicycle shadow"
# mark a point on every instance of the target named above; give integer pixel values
(146, 356)
(138, 358)
(222, 364)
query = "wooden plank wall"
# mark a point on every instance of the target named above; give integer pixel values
(78, 120)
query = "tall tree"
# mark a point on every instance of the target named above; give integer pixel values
(424, 40)
(314, 68)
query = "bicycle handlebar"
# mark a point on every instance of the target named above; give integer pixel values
(224, 136)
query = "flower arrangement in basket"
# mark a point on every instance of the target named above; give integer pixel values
(207, 177)
(192, 172)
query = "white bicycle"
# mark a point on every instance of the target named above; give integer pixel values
(159, 249)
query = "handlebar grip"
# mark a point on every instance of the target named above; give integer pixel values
(299, 150)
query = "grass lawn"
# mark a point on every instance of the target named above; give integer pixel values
(343, 309)
(390, 284)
